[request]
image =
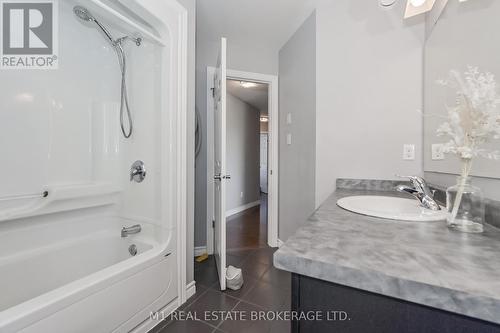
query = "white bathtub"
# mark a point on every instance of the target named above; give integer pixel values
(102, 288)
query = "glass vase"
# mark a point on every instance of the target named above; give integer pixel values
(468, 216)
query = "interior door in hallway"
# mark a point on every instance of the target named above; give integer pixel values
(220, 177)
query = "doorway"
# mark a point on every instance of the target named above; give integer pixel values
(252, 223)
(246, 156)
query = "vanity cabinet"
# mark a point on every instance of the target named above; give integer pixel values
(369, 312)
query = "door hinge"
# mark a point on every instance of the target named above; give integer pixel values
(270, 172)
(213, 92)
(213, 224)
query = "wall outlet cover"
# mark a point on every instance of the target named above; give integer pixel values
(409, 152)
(437, 152)
(288, 139)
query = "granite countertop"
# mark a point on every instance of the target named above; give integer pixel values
(420, 262)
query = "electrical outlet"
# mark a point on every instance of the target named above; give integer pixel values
(437, 152)
(288, 139)
(409, 152)
(241, 194)
(288, 118)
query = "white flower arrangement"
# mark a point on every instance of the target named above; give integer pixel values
(472, 122)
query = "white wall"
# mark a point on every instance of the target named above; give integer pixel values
(433, 16)
(297, 161)
(369, 88)
(190, 6)
(243, 153)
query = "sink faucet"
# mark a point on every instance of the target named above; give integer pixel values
(135, 229)
(421, 191)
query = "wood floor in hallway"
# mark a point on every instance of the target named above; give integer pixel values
(248, 229)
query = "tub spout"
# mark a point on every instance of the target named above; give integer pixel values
(135, 229)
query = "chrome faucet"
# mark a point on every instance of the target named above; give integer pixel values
(135, 229)
(421, 191)
(137, 172)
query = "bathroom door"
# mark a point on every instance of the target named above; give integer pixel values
(220, 177)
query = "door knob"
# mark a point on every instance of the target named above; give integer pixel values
(220, 177)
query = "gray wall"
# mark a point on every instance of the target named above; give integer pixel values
(369, 91)
(241, 55)
(297, 95)
(243, 153)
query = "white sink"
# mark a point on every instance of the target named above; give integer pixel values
(391, 208)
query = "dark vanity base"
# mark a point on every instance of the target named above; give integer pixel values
(368, 312)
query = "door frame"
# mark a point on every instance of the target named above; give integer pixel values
(273, 159)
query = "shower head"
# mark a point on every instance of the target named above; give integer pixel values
(83, 13)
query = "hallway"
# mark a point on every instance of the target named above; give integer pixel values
(248, 229)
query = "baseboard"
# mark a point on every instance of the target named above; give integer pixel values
(239, 209)
(190, 289)
(199, 250)
(280, 243)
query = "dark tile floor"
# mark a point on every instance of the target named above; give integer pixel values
(265, 289)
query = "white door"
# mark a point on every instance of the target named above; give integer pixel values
(263, 162)
(220, 177)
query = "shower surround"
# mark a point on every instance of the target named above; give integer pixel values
(64, 265)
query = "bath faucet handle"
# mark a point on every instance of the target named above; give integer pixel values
(137, 172)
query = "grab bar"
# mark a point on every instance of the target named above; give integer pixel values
(44, 194)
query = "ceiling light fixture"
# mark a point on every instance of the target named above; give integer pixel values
(264, 119)
(387, 3)
(417, 7)
(248, 84)
(417, 3)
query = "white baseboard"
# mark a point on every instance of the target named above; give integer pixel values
(190, 289)
(280, 243)
(199, 250)
(239, 209)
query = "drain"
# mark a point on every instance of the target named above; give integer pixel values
(132, 249)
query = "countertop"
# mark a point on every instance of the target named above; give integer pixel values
(420, 262)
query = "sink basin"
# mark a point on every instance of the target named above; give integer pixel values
(391, 208)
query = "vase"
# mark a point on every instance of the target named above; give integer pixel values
(469, 215)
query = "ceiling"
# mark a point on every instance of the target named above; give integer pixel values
(255, 96)
(265, 22)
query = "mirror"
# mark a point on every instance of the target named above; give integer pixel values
(464, 35)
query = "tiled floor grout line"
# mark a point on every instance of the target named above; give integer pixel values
(232, 309)
(248, 257)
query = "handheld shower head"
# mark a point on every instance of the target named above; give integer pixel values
(83, 13)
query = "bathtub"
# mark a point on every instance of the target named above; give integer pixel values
(102, 288)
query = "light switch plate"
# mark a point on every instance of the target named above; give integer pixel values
(409, 152)
(437, 152)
